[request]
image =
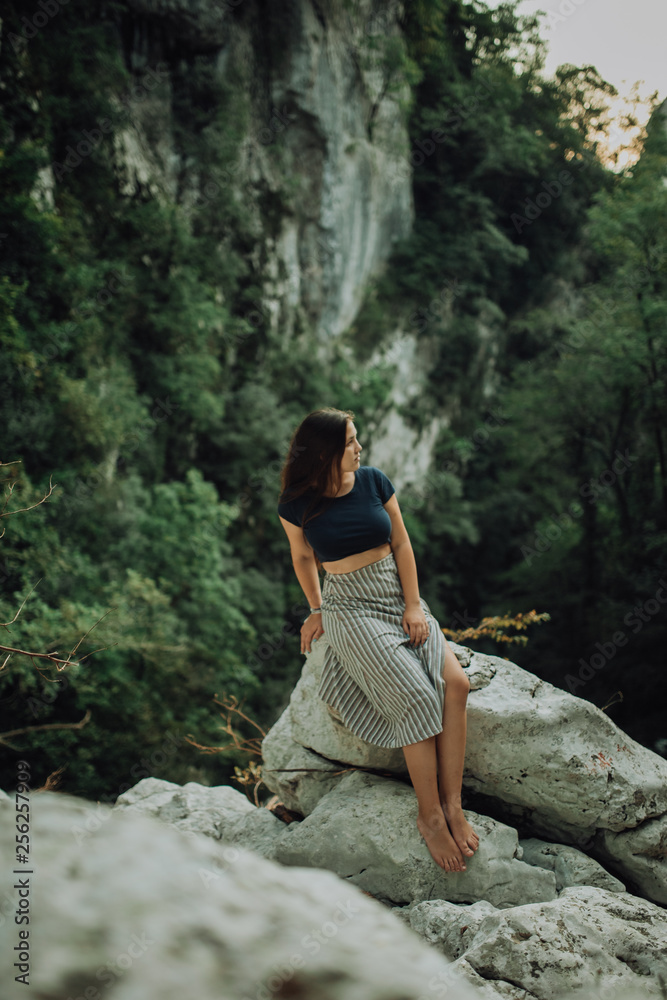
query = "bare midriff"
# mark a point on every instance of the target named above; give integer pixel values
(358, 560)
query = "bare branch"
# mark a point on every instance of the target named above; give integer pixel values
(90, 630)
(98, 650)
(21, 510)
(48, 725)
(7, 624)
(53, 657)
(42, 656)
(53, 780)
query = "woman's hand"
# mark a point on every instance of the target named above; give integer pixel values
(415, 624)
(311, 630)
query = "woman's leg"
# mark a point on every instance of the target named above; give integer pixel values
(422, 766)
(450, 749)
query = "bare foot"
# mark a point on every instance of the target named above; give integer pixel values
(462, 832)
(440, 842)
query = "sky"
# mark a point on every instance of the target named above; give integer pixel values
(624, 39)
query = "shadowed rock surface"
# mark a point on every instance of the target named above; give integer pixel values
(139, 910)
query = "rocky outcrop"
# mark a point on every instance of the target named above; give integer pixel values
(138, 910)
(365, 830)
(536, 755)
(221, 812)
(298, 775)
(527, 919)
(570, 866)
(325, 145)
(321, 123)
(607, 943)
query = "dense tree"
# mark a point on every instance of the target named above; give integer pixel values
(139, 372)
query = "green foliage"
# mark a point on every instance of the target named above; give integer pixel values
(142, 372)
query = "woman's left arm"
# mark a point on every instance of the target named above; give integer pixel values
(414, 619)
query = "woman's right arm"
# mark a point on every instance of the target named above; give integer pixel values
(305, 567)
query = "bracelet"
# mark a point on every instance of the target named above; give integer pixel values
(315, 611)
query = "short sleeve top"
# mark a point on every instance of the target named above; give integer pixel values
(350, 523)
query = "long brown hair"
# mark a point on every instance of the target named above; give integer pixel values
(313, 458)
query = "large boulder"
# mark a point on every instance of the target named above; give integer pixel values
(567, 772)
(365, 831)
(536, 756)
(608, 944)
(139, 910)
(317, 727)
(220, 812)
(298, 775)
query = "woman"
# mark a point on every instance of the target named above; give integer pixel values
(387, 689)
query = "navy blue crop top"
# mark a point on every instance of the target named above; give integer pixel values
(351, 523)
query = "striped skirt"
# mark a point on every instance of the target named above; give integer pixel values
(384, 690)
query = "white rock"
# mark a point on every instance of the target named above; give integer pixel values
(315, 727)
(541, 757)
(606, 943)
(220, 812)
(299, 776)
(141, 911)
(449, 926)
(570, 866)
(547, 948)
(639, 854)
(365, 830)
(565, 769)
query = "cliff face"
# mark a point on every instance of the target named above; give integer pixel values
(321, 168)
(318, 124)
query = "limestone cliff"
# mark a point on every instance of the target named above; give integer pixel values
(321, 169)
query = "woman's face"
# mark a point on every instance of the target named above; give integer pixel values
(350, 461)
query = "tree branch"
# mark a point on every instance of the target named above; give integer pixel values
(21, 510)
(48, 725)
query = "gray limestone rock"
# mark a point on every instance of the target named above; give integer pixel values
(562, 767)
(547, 760)
(299, 776)
(221, 812)
(451, 927)
(607, 944)
(569, 865)
(141, 911)
(365, 830)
